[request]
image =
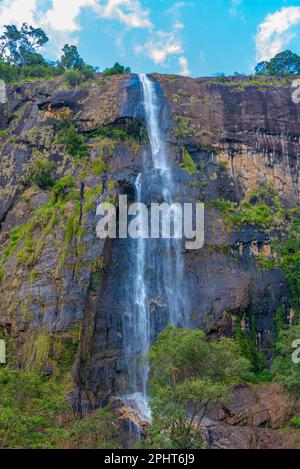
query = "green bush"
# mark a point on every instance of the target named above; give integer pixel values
(97, 431)
(117, 69)
(247, 343)
(188, 374)
(40, 172)
(295, 421)
(182, 129)
(188, 163)
(73, 77)
(74, 141)
(28, 408)
(283, 367)
(62, 188)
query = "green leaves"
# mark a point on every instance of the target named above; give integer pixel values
(188, 374)
(117, 69)
(284, 63)
(283, 367)
(28, 405)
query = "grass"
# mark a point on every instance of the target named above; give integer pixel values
(264, 209)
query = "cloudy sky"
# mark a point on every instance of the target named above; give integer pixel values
(189, 37)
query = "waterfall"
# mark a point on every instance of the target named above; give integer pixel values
(156, 297)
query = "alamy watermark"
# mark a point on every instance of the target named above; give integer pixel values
(296, 353)
(2, 92)
(2, 352)
(296, 93)
(166, 221)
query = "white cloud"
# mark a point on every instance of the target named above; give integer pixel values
(129, 12)
(18, 12)
(59, 22)
(183, 62)
(62, 22)
(162, 45)
(65, 18)
(275, 32)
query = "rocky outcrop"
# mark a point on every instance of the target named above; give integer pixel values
(254, 406)
(60, 284)
(228, 437)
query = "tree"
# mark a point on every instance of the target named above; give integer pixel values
(96, 431)
(28, 406)
(117, 69)
(283, 367)
(20, 46)
(71, 59)
(188, 375)
(284, 63)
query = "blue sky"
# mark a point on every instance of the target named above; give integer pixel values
(190, 37)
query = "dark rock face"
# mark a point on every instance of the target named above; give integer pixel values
(77, 285)
(229, 437)
(256, 406)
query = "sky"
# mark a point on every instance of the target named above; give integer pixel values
(188, 37)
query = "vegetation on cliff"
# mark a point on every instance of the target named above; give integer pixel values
(188, 374)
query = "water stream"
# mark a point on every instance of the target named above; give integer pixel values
(157, 296)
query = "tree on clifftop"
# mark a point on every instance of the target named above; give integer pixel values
(284, 63)
(20, 46)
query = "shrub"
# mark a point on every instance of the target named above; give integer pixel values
(188, 374)
(188, 163)
(61, 188)
(74, 141)
(295, 421)
(182, 129)
(117, 69)
(97, 431)
(28, 405)
(73, 77)
(283, 367)
(40, 172)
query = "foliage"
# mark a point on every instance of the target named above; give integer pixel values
(71, 59)
(73, 77)
(40, 172)
(20, 59)
(284, 63)
(62, 188)
(188, 374)
(97, 431)
(279, 320)
(247, 343)
(283, 367)
(264, 209)
(182, 129)
(295, 421)
(188, 163)
(73, 140)
(117, 69)
(76, 69)
(289, 261)
(28, 408)
(20, 46)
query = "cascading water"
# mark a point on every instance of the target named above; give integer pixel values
(157, 297)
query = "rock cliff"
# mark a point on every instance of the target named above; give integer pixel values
(64, 150)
